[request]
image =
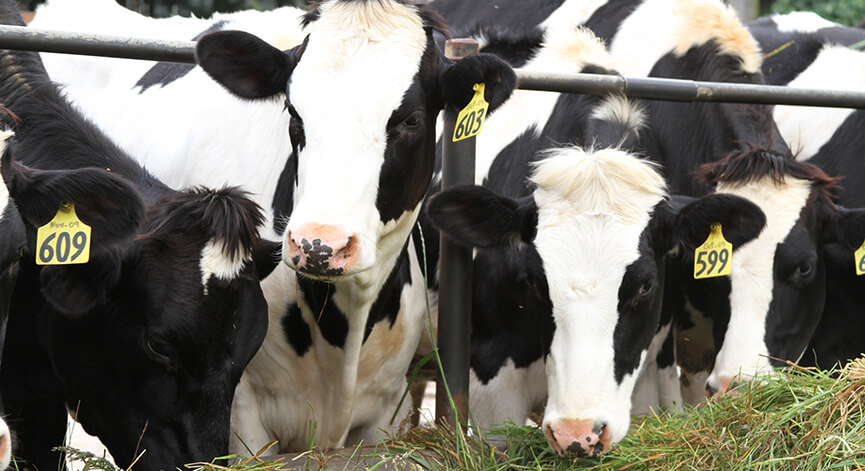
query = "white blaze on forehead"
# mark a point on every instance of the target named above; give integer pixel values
(592, 210)
(4, 191)
(216, 262)
(807, 128)
(802, 22)
(752, 275)
(565, 50)
(660, 27)
(360, 60)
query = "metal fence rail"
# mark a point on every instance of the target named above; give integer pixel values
(30, 39)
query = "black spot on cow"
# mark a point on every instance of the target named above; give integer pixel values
(387, 306)
(331, 321)
(296, 330)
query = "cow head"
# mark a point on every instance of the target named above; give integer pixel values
(777, 283)
(587, 251)
(363, 92)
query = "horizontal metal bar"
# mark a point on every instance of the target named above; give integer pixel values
(689, 90)
(30, 39)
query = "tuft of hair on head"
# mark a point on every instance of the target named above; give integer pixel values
(599, 182)
(617, 108)
(576, 45)
(752, 164)
(706, 20)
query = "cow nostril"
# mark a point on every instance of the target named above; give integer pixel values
(711, 390)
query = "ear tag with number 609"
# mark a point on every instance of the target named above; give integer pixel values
(65, 240)
(859, 255)
(713, 258)
(471, 119)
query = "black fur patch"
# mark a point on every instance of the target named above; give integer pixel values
(296, 330)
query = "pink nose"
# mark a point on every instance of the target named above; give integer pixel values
(322, 249)
(725, 385)
(579, 437)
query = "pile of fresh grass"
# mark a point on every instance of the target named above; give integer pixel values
(797, 419)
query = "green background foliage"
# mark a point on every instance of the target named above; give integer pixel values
(848, 12)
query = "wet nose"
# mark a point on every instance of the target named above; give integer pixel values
(321, 249)
(724, 385)
(588, 437)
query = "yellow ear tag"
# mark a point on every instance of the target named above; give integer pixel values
(471, 119)
(859, 255)
(713, 257)
(65, 240)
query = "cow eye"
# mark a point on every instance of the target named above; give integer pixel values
(413, 122)
(804, 269)
(159, 357)
(646, 288)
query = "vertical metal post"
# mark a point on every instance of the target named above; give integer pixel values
(455, 269)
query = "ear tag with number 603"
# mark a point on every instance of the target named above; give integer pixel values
(713, 258)
(859, 255)
(471, 119)
(65, 240)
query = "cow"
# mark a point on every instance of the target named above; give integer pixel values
(145, 342)
(808, 51)
(342, 130)
(684, 136)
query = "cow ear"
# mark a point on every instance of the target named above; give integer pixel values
(459, 78)
(266, 255)
(844, 226)
(477, 217)
(740, 219)
(75, 290)
(107, 203)
(244, 64)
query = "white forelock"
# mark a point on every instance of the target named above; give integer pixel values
(620, 109)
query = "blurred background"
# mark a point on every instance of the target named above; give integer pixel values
(849, 12)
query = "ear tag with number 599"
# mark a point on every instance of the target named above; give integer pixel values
(859, 254)
(471, 119)
(713, 258)
(65, 240)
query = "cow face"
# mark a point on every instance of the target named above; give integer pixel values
(777, 283)
(174, 315)
(363, 92)
(593, 238)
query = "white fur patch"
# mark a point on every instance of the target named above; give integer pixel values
(801, 22)
(752, 277)
(511, 395)
(565, 50)
(4, 190)
(807, 128)
(572, 12)
(592, 210)
(5, 445)
(215, 262)
(660, 27)
(619, 109)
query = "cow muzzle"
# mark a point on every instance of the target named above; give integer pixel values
(321, 250)
(588, 438)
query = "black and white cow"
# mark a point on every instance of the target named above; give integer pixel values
(344, 154)
(144, 343)
(805, 50)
